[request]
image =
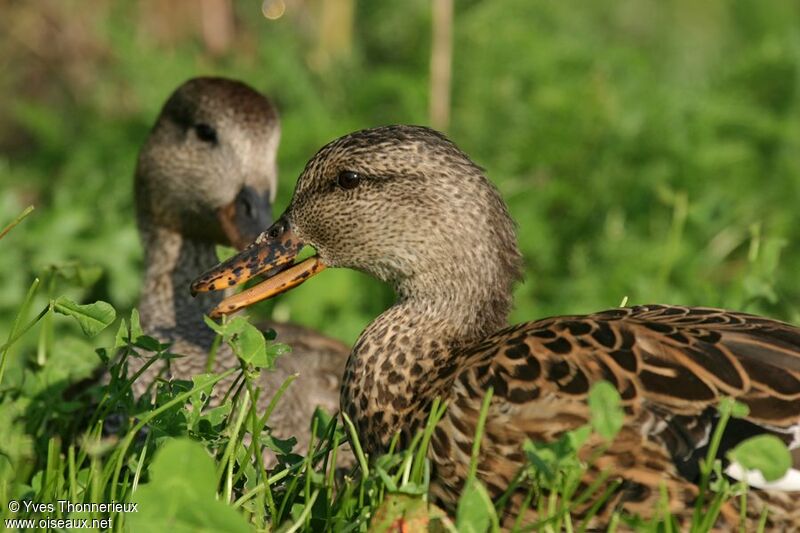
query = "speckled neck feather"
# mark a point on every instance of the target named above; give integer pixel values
(165, 304)
(168, 312)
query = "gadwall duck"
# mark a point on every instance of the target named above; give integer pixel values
(207, 175)
(405, 205)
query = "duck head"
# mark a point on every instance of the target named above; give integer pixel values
(208, 169)
(401, 203)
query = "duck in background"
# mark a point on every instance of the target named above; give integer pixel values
(207, 175)
(406, 205)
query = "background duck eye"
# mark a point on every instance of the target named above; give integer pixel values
(206, 133)
(347, 179)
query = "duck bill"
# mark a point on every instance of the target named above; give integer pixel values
(245, 217)
(277, 284)
(272, 254)
(227, 221)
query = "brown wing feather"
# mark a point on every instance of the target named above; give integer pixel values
(679, 359)
(672, 365)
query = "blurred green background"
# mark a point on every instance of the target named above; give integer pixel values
(647, 148)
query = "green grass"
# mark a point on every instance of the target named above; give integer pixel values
(185, 465)
(647, 149)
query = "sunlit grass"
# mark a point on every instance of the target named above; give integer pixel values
(188, 465)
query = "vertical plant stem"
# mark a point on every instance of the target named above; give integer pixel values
(212, 353)
(707, 466)
(441, 64)
(258, 457)
(140, 463)
(476, 445)
(359, 453)
(44, 345)
(72, 472)
(664, 504)
(309, 466)
(273, 403)
(229, 457)
(437, 410)
(17, 331)
(305, 514)
(680, 212)
(332, 472)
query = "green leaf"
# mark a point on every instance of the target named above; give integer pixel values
(387, 480)
(401, 512)
(578, 437)
(324, 420)
(80, 275)
(92, 318)
(765, 453)
(181, 495)
(550, 458)
(216, 328)
(224, 252)
(475, 512)
(197, 400)
(202, 380)
(226, 328)
(16, 446)
(146, 342)
(413, 489)
(121, 338)
(200, 419)
(606, 411)
(251, 346)
(136, 327)
(275, 350)
(740, 410)
(733, 408)
(237, 325)
(279, 446)
(132, 334)
(542, 456)
(217, 415)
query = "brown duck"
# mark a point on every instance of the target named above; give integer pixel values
(207, 175)
(405, 205)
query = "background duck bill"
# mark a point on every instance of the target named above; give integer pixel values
(277, 284)
(246, 217)
(227, 220)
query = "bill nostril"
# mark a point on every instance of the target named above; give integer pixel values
(247, 207)
(247, 203)
(252, 214)
(277, 229)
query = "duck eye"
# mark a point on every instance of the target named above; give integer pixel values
(206, 133)
(348, 179)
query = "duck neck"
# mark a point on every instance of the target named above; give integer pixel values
(168, 311)
(411, 354)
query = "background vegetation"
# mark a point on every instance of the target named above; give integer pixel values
(647, 148)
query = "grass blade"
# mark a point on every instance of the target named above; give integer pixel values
(25, 212)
